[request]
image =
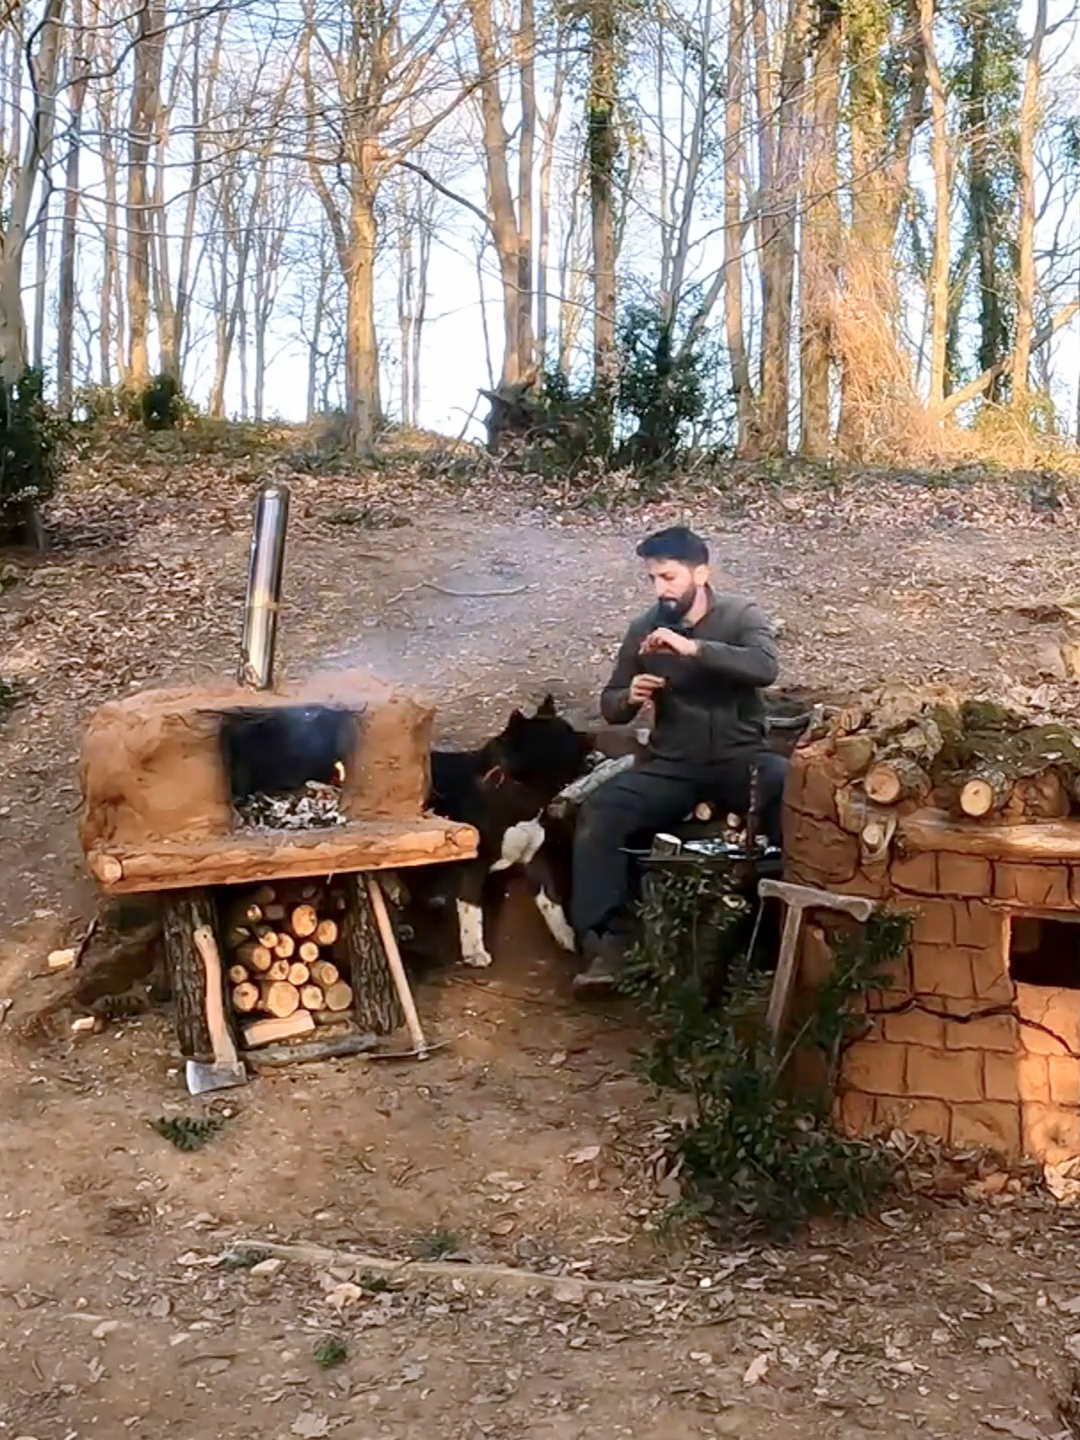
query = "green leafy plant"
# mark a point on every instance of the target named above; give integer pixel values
(188, 1132)
(331, 1351)
(32, 441)
(435, 1245)
(758, 1147)
(669, 384)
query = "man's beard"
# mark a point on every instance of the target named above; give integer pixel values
(672, 609)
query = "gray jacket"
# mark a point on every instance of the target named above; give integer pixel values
(710, 711)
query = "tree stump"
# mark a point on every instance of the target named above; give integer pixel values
(182, 912)
(375, 1000)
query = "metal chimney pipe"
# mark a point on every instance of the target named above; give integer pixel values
(265, 566)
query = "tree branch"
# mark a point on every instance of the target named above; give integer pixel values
(987, 378)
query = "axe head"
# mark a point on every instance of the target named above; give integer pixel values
(218, 1075)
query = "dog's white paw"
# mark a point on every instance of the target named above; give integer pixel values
(471, 933)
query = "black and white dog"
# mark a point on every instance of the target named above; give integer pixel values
(503, 789)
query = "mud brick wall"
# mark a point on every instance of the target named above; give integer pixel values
(953, 1047)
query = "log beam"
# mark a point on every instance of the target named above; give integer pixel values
(243, 859)
(1040, 840)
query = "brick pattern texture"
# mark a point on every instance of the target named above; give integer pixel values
(953, 1048)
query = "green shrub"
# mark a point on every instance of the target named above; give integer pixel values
(32, 441)
(758, 1148)
(161, 404)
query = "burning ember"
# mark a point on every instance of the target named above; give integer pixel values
(315, 807)
(285, 767)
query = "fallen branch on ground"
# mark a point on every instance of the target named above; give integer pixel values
(457, 594)
(443, 1269)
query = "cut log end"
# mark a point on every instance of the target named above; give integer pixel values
(325, 974)
(888, 781)
(279, 998)
(256, 957)
(304, 921)
(338, 996)
(977, 798)
(245, 997)
(984, 793)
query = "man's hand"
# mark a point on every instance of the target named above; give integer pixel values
(644, 687)
(664, 639)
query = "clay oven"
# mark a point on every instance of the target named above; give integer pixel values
(260, 813)
(977, 1039)
(162, 771)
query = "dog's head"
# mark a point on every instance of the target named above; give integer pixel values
(542, 751)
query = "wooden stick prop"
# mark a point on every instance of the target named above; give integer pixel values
(397, 969)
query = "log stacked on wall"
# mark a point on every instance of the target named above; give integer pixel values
(903, 748)
(286, 959)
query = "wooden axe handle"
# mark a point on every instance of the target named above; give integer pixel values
(221, 1041)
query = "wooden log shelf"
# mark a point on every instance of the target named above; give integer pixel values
(255, 856)
(1047, 840)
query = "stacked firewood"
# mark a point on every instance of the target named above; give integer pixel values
(286, 964)
(974, 758)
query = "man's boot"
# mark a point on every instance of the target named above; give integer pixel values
(605, 954)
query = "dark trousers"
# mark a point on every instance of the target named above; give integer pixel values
(651, 797)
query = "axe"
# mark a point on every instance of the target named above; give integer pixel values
(226, 1070)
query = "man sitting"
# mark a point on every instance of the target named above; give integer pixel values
(701, 660)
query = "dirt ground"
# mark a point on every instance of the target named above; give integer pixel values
(528, 1140)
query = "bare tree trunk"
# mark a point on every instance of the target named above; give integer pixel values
(778, 258)
(202, 106)
(224, 309)
(939, 270)
(422, 269)
(504, 224)
(242, 313)
(362, 351)
(65, 337)
(482, 244)
(875, 390)
(111, 323)
(41, 260)
(1025, 276)
(316, 332)
(734, 160)
(526, 46)
(14, 226)
(819, 258)
(547, 165)
(573, 263)
(164, 304)
(405, 299)
(603, 149)
(145, 100)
